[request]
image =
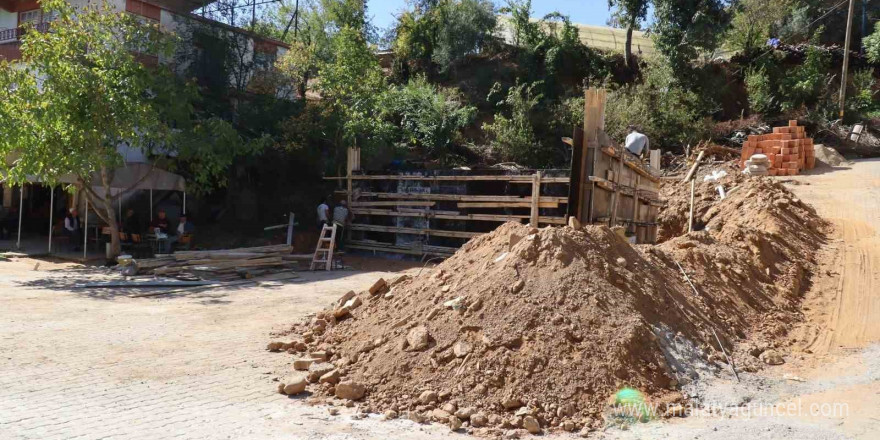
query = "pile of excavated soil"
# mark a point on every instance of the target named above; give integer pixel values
(536, 328)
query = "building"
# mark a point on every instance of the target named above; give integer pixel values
(172, 15)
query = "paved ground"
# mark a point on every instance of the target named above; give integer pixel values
(86, 364)
(76, 363)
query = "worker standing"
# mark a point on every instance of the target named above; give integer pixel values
(636, 142)
(342, 218)
(323, 214)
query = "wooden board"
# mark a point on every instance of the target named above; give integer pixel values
(506, 204)
(477, 217)
(394, 203)
(456, 197)
(514, 179)
(416, 231)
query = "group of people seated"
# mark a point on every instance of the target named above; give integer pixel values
(131, 226)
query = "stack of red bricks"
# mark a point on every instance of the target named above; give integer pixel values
(788, 149)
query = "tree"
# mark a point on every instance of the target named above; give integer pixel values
(87, 87)
(631, 13)
(754, 22)
(872, 45)
(440, 33)
(683, 29)
(79, 93)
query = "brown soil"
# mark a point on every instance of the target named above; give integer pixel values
(557, 320)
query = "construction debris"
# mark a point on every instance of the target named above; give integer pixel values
(533, 329)
(220, 265)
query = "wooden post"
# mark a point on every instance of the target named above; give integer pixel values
(536, 197)
(51, 214)
(693, 169)
(654, 159)
(290, 229)
(635, 210)
(691, 215)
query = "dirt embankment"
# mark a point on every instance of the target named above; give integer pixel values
(528, 328)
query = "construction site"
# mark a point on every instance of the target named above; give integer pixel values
(340, 219)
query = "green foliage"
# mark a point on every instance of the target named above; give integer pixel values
(871, 43)
(93, 94)
(760, 91)
(351, 82)
(513, 137)
(804, 84)
(754, 21)
(683, 29)
(861, 100)
(426, 117)
(439, 34)
(666, 112)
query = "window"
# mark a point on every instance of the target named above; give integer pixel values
(33, 17)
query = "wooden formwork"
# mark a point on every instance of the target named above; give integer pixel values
(608, 184)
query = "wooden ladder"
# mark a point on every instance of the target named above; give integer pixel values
(325, 254)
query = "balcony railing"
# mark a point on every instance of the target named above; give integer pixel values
(14, 34)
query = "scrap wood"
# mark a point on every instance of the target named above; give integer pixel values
(281, 276)
(141, 284)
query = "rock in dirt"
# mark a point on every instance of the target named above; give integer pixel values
(771, 357)
(332, 377)
(454, 423)
(295, 386)
(531, 424)
(378, 287)
(479, 420)
(461, 349)
(275, 346)
(465, 413)
(350, 390)
(428, 397)
(511, 403)
(303, 364)
(317, 370)
(390, 414)
(418, 338)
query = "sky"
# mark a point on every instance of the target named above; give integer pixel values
(593, 12)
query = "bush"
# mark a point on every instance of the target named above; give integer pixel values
(862, 97)
(666, 112)
(513, 137)
(760, 90)
(426, 117)
(871, 44)
(804, 85)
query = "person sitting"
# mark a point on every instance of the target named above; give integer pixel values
(185, 229)
(161, 228)
(72, 229)
(131, 224)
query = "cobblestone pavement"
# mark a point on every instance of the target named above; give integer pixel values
(88, 364)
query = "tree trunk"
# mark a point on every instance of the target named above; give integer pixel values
(627, 48)
(110, 215)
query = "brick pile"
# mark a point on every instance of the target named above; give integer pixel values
(788, 149)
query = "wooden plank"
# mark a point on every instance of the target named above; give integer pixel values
(693, 169)
(514, 179)
(388, 247)
(392, 203)
(479, 217)
(576, 184)
(457, 197)
(415, 231)
(536, 196)
(506, 205)
(631, 164)
(654, 159)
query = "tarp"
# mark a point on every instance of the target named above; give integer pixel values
(132, 176)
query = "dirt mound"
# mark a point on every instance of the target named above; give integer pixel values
(526, 328)
(751, 255)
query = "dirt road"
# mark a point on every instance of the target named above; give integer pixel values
(843, 307)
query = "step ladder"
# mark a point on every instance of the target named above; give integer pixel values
(325, 248)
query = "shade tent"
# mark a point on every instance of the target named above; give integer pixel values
(132, 176)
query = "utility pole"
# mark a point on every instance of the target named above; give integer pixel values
(849, 19)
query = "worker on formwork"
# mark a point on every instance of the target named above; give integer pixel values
(636, 142)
